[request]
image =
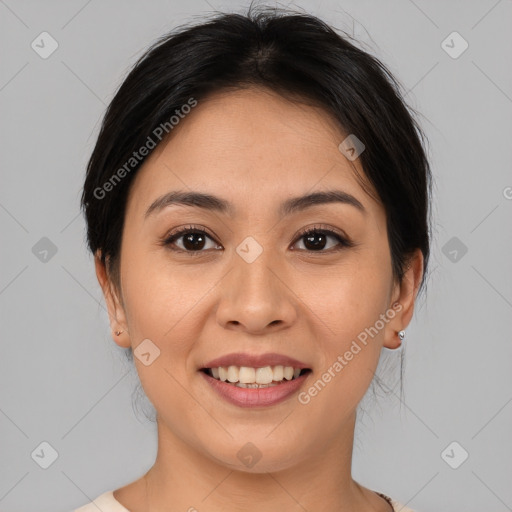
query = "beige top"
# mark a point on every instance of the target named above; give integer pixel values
(107, 503)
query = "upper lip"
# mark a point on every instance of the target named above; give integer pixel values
(255, 360)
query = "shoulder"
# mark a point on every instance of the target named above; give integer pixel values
(398, 507)
(105, 502)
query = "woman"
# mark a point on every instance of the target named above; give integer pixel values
(257, 204)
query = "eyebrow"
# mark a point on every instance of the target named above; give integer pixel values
(217, 204)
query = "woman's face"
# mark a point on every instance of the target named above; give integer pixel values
(254, 285)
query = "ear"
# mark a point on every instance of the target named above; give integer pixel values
(115, 309)
(403, 298)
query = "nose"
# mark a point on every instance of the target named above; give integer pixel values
(255, 297)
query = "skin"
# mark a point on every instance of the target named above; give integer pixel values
(254, 149)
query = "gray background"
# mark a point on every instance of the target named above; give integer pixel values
(64, 382)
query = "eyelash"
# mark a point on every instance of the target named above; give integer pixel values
(344, 242)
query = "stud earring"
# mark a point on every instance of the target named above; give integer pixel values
(117, 333)
(401, 335)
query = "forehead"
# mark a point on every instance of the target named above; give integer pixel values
(249, 144)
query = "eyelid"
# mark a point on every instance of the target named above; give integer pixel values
(174, 234)
(184, 229)
(330, 231)
(343, 239)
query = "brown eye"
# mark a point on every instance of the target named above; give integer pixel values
(195, 240)
(317, 240)
(192, 240)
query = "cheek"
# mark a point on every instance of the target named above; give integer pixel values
(158, 293)
(346, 306)
(347, 298)
(350, 350)
(162, 306)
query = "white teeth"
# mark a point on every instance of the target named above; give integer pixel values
(255, 377)
(253, 386)
(288, 372)
(246, 375)
(233, 373)
(264, 375)
(278, 372)
(223, 374)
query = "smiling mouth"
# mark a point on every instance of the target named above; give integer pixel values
(255, 378)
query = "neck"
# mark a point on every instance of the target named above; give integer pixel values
(185, 479)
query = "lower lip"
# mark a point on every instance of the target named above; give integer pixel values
(255, 397)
